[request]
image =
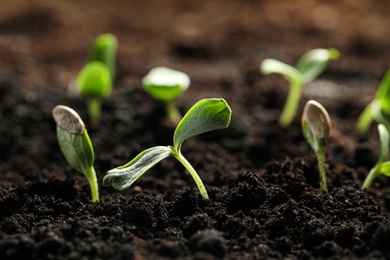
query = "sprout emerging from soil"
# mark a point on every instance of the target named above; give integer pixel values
(316, 129)
(378, 109)
(309, 67)
(382, 166)
(96, 78)
(206, 115)
(166, 85)
(76, 145)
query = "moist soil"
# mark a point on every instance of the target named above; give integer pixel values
(262, 179)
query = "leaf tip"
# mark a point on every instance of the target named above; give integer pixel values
(68, 119)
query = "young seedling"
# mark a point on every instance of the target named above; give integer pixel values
(94, 83)
(96, 78)
(378, 109)
(76, 145)
(166, 85)
(382, 166)
(309, 66)
(316, 129)
(104, 50)
(206, 115)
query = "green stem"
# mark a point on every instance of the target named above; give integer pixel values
(371, 176)
(172, 112)
(94, 109)
(91, 176)
(191, 170)
(321, 168)
(291, 105)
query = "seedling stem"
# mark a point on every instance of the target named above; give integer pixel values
(191, 170)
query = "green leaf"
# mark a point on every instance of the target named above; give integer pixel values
(383, 93)
(206, 115)
(384, 143)
(104, 50)
(269, 66)
(124, 176)
(73, 138)
(94, 80)
(76, 148)
(316, 125)
(165, 84)
(385, 169)
(314, 62)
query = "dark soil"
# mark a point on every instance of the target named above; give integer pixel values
(262, 179)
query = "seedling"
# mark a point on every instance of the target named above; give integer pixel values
(378, 109)
(206, 115)
(96, 78)
(76, 145)
(382, 166)
(316, 129)
(94, 82)
(166, 85)
(309, 67)
(104, 50)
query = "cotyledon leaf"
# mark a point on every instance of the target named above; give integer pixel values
(206, 115)
(124, 176)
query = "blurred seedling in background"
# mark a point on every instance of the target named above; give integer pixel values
(316, 127)
(96, 78)
(104, 50)
(76, 145)
(382, 167)
(378, 109)
(166, 85)
(309, 67)
(206, 115)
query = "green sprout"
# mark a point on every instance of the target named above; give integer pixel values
(76, 145)
(316, 129)
(94, 82)
(382, 166)
(309, 67)
(96, 78)
(166, 85)
(378, 109)
(206, 115)
(104, 50)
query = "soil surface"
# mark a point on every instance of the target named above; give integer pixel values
(262, 179)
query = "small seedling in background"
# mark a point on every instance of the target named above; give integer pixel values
(382, 166)
(94, 83)
(309, 67)
(378, 109)
(166, 85)
(316, 129)
(206, 115)
(76, 145)
(104, 50)
(96, 78)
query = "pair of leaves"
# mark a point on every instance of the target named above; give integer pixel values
(308, 67)
(206, 115)
(97, 76)
(75, 144)
(73, 138)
